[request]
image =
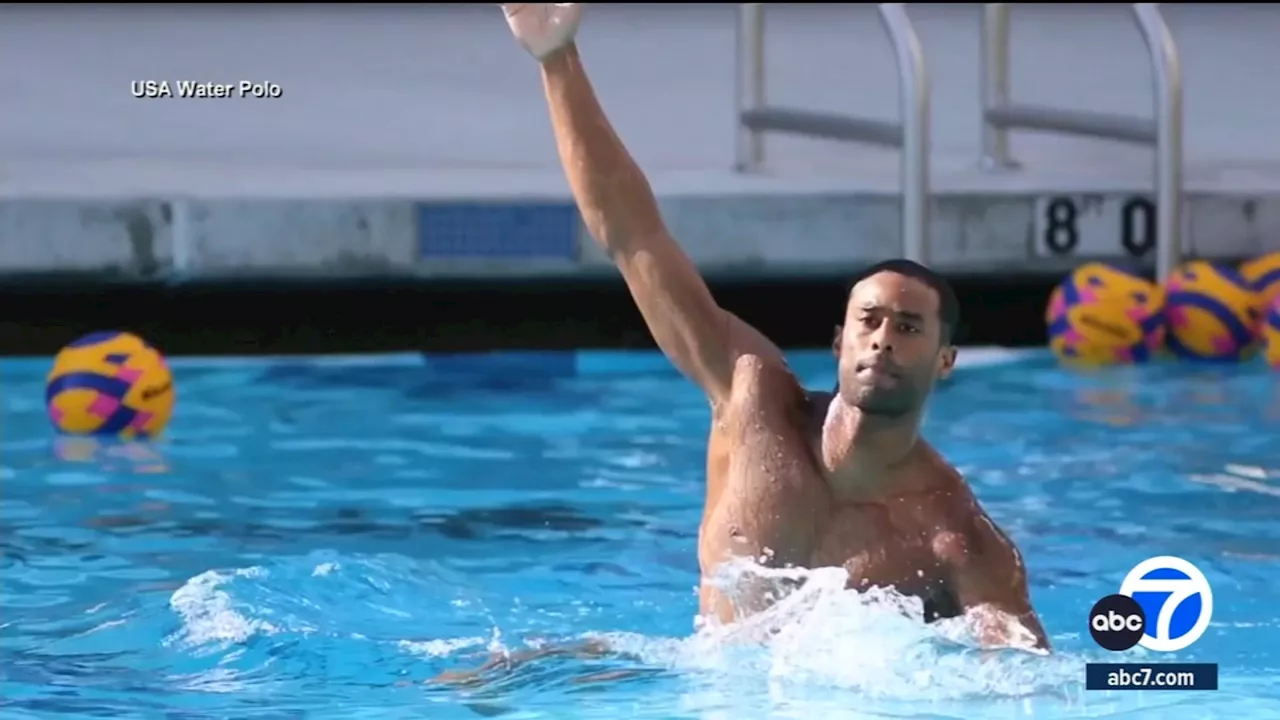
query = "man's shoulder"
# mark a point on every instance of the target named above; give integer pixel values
(965, 533)
(960, 523)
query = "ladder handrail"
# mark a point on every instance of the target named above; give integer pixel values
(910, 133)
(999, 115)
(1166, 65)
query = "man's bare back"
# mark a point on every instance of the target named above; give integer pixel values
(793, 478)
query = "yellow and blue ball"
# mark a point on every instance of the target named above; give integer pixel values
(1103, 315)
(110, 384)
(1271, 333)
(1214, 313)
(1264, 275)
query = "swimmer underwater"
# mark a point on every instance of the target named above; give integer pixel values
(796, 478)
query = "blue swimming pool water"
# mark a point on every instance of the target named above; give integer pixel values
(318, 538)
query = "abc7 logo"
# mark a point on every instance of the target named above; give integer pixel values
(1119, 622)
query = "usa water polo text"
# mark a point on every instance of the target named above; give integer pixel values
(205, 90)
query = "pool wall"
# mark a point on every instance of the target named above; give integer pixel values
(424, 201)
(276, 317)
(392, 158)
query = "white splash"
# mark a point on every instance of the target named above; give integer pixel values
(441, 647)
(874, 642)
(207, 613)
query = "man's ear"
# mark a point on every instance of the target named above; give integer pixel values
(946, 362)
(835, 342)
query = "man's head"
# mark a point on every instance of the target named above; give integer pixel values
(896, 340)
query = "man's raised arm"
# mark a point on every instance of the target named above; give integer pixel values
(621, 213)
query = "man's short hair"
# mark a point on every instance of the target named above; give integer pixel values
(948, 304)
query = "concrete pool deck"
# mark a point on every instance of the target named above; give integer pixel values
(391, 117)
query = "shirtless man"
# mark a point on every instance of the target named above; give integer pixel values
(796, 478)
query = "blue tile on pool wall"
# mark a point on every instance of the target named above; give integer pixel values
(497, 230)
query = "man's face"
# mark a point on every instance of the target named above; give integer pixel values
(890, 348)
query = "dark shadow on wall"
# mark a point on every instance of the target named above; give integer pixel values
(37, 317)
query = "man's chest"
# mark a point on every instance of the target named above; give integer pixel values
(880, 546)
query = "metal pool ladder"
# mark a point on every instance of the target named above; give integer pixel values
(910, 133)
(1164, 132)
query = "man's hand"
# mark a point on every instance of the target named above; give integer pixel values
(995, 627)
(543, 28)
